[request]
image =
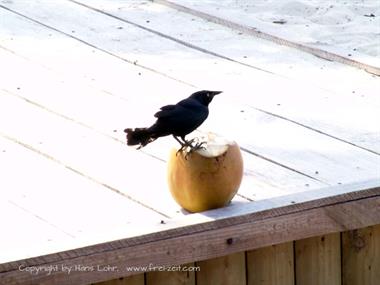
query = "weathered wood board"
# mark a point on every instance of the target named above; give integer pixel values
(222, 270)
(227, 75)
(276, 264)
(316, 28)
(361, 255)
(311, 171)
(74, 74)
(319, 260)
(271, 265)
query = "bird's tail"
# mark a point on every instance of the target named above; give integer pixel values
(139, 136)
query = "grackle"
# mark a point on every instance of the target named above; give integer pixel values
(177, 120)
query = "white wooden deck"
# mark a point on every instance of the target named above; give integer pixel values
(74, 74)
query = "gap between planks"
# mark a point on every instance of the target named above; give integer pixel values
(80, 123)
(272, 159)
(281, 41)
(76, 171)
(316, 130)
(181, 42)
(86, 125)
(249, 231)
(164, 35)
(96, 47)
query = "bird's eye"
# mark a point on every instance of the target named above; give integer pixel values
(208, 94)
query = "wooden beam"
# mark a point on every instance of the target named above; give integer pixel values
(361, 256)
(318, 260)
(130, 280)
(176, 275)
(271, 265)
(223, 270)
(180, 245)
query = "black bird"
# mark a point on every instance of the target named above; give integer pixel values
(177, 120)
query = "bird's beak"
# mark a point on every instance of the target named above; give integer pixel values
(213, 93)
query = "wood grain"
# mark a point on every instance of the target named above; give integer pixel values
(361, 256)
(223, 270)
(205, 241)
(138, 279)
(271, 179)
(30, 196)
(308, 115)
(247, 50)
(211, 43)
(271, 265)
(46, 133)
(318, 260)
(71, 118)
(312, 143)
(204, 12)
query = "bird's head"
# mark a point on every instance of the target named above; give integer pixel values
(205, 96)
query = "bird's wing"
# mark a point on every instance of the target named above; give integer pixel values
(165, 111)
(189, 103)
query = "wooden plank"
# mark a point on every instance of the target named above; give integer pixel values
(355, 221)
(304, 200)
(307, 115)
(361, 256)
(172, 275)
(213, 239)
(130, 280)
(223, 270)
(305, 35)
(296, 147)
(57, 196)
(17, 223)
(318, 260)
(189, 30)
(237, 81)
(271, 179)
(271, 265)
(251, 51)
(320, 153)
(44, 132)
(276, 126)
(267, 139)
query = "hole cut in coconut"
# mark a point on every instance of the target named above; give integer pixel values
(215, 145)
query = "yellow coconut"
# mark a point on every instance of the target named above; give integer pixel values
(207, 178)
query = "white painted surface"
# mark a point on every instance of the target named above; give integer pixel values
(68, 97)
(63, 96)
(43, 204)
(354, 89)
(349, 28)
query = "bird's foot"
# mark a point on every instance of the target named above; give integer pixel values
(195, 144)
(198, 145)
(188, 149)
(190, 142)
(182, 149)
(189, 146)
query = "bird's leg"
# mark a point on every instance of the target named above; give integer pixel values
(198, 145)
(189, 143)
(182, 143)
(178, 140)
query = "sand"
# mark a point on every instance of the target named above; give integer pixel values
(350, 28)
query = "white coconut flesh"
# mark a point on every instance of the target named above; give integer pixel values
(214, 146)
